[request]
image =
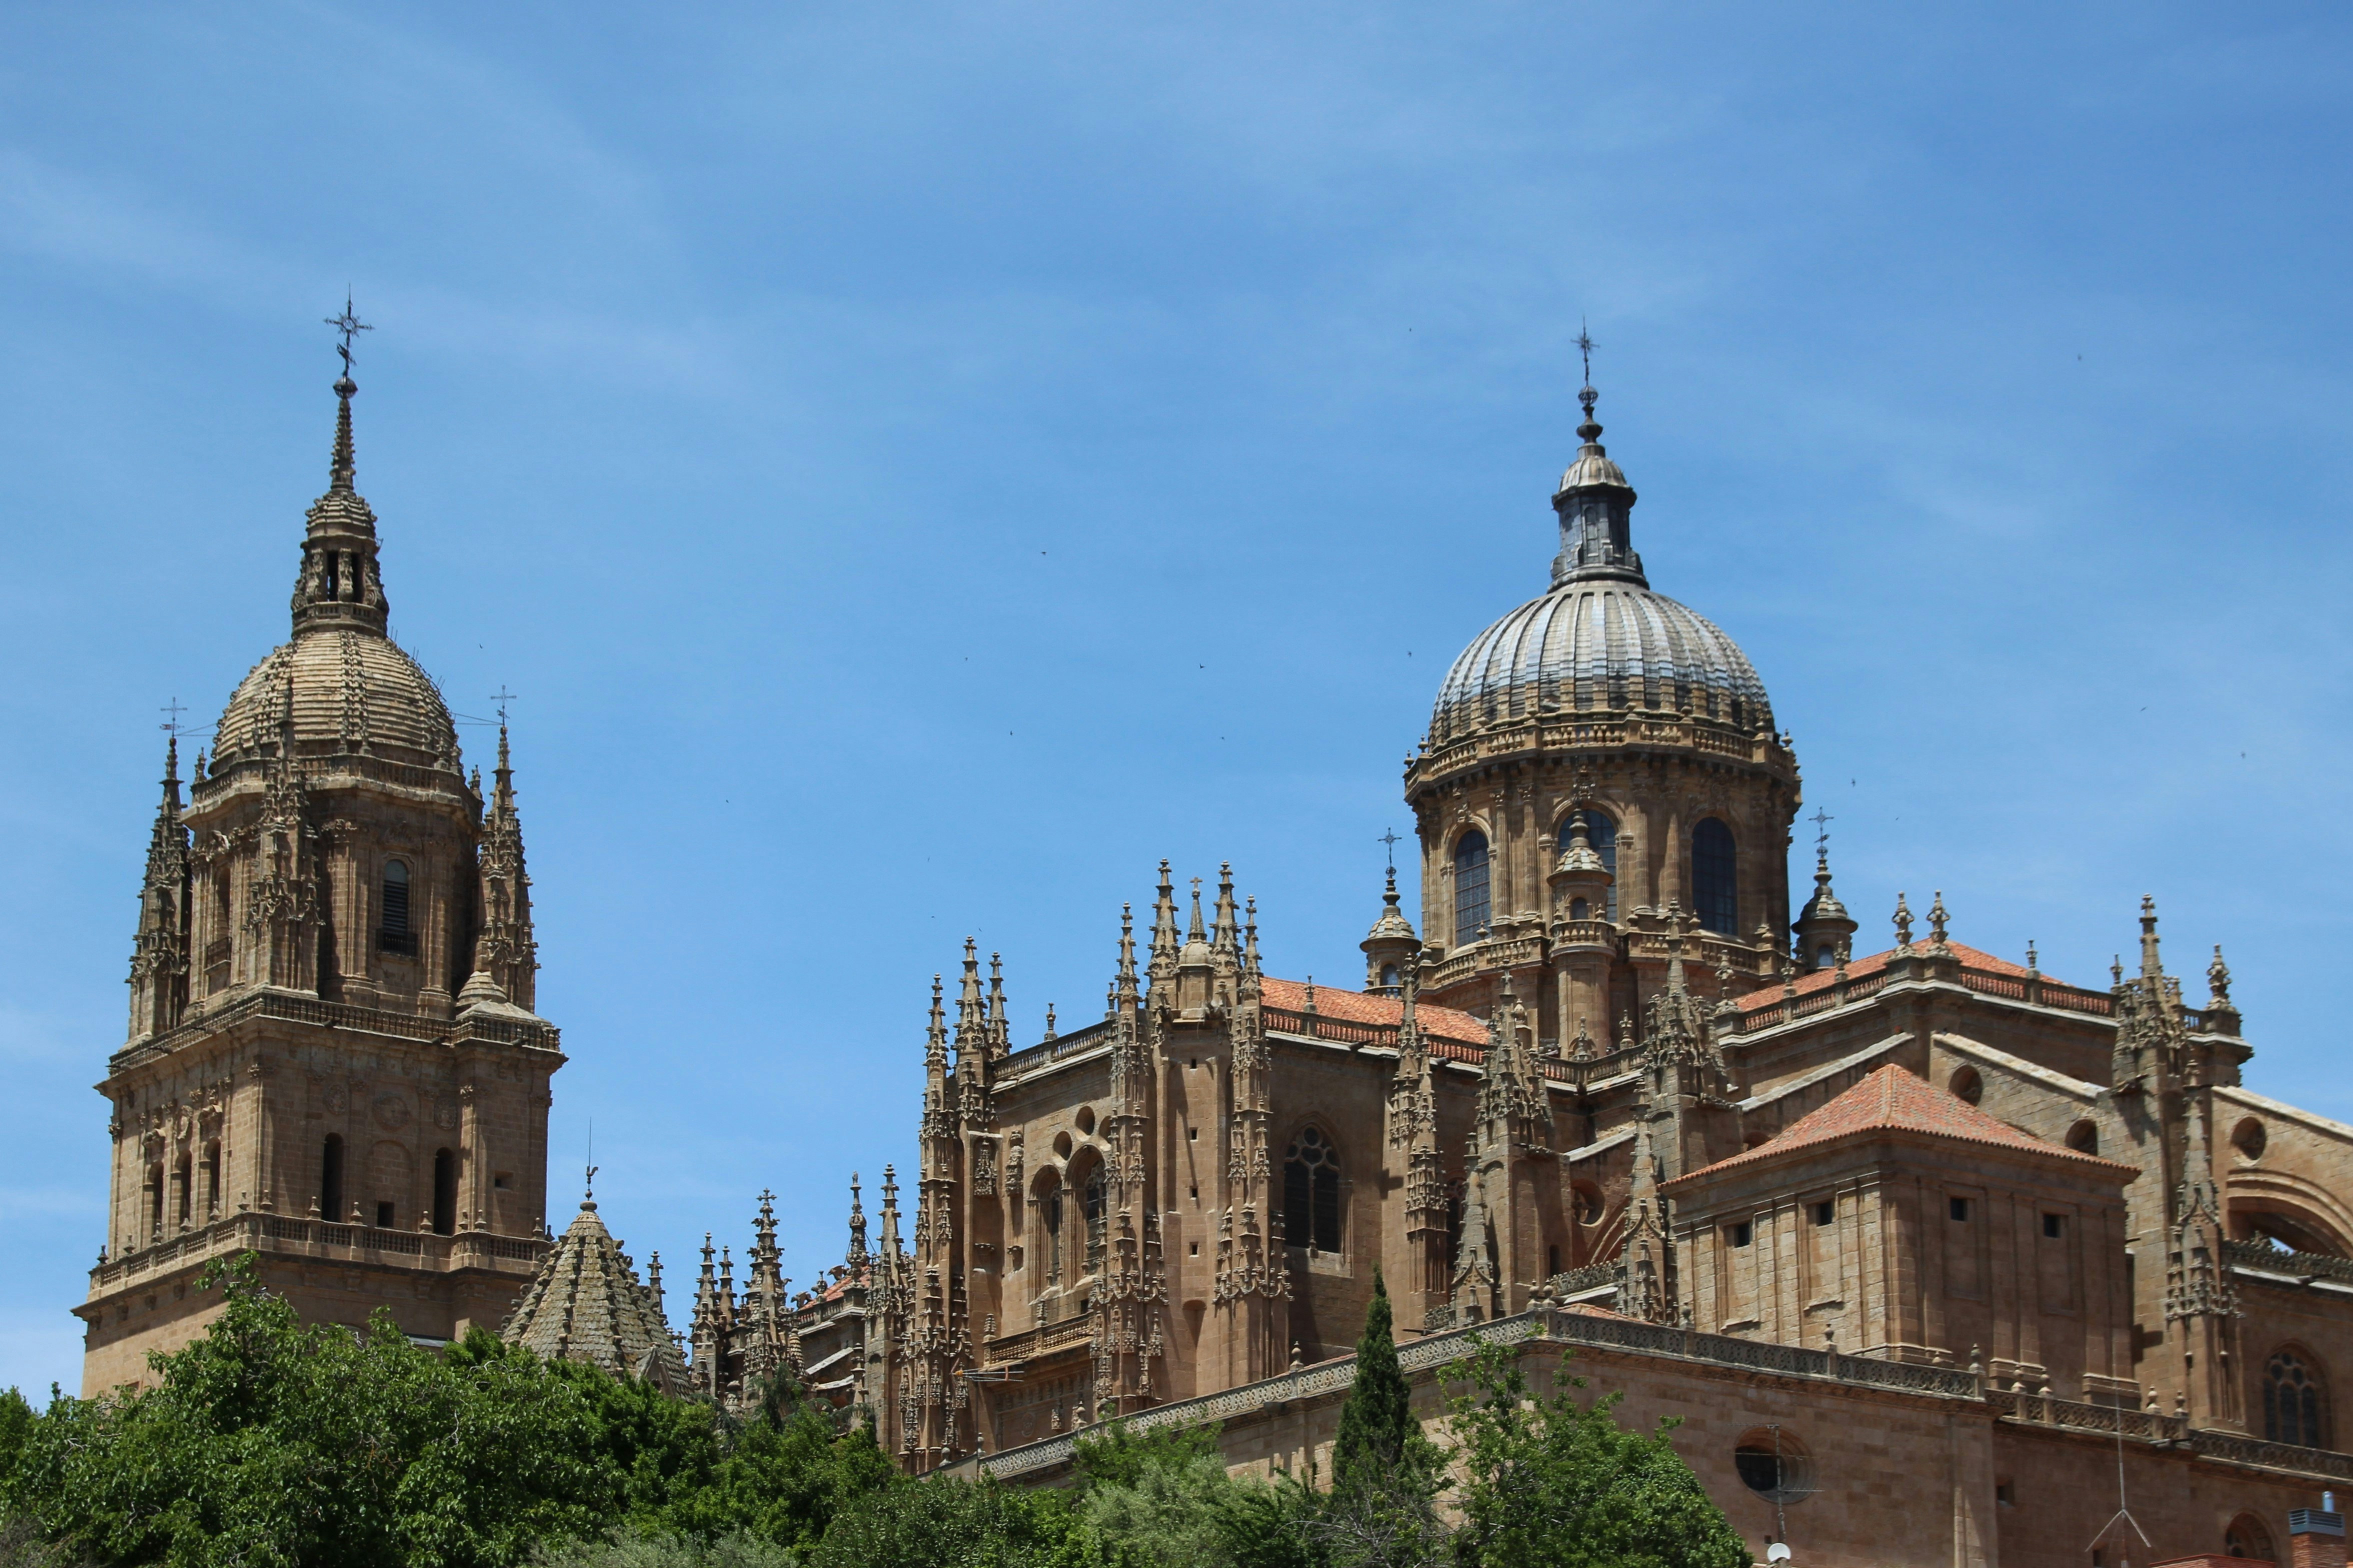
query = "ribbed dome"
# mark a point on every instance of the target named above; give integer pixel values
(351, 690)
(1601, 647)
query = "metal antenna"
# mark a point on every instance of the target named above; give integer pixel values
(347, 324)
(1391, 840)
(2122, 1512)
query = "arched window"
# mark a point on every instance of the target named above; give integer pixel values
(1602, 834)
(155, 1202)
(186, 1197)
(1715, 886)
(2084, 1137)
(1826, 956)
(331, 1178)
(1470, 887)
(1311, 1192)
(2247, 1537)
(394, 931)
(1097, 1194)
(211, 1180)
(2295, 1406)
(444, 1193)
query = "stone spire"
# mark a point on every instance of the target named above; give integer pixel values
(506, 952)
(857, 1258)
(158, 954)
(1164, 940)
(339, 585)
(976, 1044)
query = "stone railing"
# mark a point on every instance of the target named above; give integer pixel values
(253, 1232)
(1592, 1277)
(2273, 1260)
(1764, 1009)
(302, 1009)
(1040, 1340)
(2320, 1462)
(1078, 1042)
(2044, 1410)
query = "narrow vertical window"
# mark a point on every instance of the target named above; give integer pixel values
(1049, 1215)
(211, 1180)
(185, 1199)
(1311, 1192)
(2295, 1402)
(395, 932)
(1470, 888)
(1715, 891)
(1097, 1198)
(444, 1193)
(331, 1178)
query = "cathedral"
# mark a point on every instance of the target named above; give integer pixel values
(1934, 1257)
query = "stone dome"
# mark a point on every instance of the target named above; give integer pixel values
(1601, 641)
(344, 686)
(351, 691)
(1600, 646)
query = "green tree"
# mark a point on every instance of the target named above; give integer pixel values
(943, 1522)
(1160, 1498)
(1381, 1511)
(1548, 1483)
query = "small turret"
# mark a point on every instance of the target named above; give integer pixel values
(1823, 926)
(1391, 948)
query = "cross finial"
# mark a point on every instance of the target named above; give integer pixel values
(1585, 346)
(1196, 886)
(502, 697)
(171, 724)
(348, 324)
(1390, 838)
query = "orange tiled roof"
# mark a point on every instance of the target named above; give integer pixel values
(1893, 1100)
(1356, 1007)
(1815, 980)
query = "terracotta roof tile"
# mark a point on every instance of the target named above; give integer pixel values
(1356, 1007)
(1893, 1100)
(1821, 979)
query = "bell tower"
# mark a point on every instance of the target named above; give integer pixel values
(333, 1059)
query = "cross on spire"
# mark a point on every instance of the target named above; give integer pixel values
(502, 697)
(347, 324)
(1821, 819)
(1391, 840)
(170, 725)
(1585, 346)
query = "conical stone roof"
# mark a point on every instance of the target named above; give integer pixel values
(585, 1304)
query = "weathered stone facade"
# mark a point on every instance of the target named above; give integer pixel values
(333, 1059)
(1939, 1221)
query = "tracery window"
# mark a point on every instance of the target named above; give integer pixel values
(1715, 878)
(1311, 1192)
(1095, 1196)
(2295, 1403)
(1471, 908)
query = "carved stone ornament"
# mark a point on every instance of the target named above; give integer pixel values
(392, 1111)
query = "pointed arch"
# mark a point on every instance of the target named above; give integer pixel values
(1311, 1190)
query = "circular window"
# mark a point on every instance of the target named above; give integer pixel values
(2249, 1138)
(1774, 1465)
(1062, 1145)
(1086, 1119)
(1589, 1205)
(2083, 1137)
(1966, 1085)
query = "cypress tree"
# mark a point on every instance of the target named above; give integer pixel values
(1378, 1431)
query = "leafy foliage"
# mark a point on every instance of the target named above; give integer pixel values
(1548, 1483)
(268, 1443)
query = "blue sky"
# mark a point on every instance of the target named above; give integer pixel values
(921, 464)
